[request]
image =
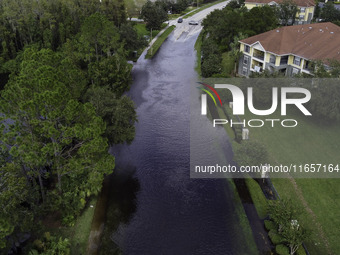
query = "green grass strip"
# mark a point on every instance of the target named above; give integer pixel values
(258, 197)
(198, 46)
(158, 43)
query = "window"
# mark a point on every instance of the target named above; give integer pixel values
(284, 60)
(245, 71)
(306, 65)
(245, 60)
(301, 17)
(272, 59)
(297, 61)
(246, 48)
(303, 9)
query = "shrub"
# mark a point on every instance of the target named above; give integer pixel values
(275, 237)
(269, 225)
(50, 245)
(282, 249)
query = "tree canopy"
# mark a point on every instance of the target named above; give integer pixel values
(62, 106)
(154, 14)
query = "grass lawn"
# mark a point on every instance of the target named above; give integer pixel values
(309, 142)
(158, 43)
(228, 64)
(142, 31)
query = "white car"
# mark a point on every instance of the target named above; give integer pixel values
(192, 22)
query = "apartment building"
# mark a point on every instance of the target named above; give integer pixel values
(290, 49)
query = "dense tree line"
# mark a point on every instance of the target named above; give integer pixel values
(62, 107)
(223, 27)
(328, 13)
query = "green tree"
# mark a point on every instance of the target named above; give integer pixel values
(15, 191)
(329, 13)
(118, 113)
(113, 72)
(54, 136)
(259, 20)
(154, 15)
(130, 38)
(98, 38)
(114, 10)
(211, 58)
(287, 11)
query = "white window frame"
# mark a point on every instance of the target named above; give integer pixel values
(247, 47)
(297, 61)
(244, 70)
(245, 60)
(270, 59)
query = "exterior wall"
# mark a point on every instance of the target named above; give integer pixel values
(241, 47)
(242, 65)
(290, 60)
(307, 15)
(278, 59)
(267, 58)
(245, 69)
(249, 5)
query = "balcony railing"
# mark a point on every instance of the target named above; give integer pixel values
(258, 56)
(283, 62)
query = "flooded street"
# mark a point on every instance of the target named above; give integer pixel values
(175, 215)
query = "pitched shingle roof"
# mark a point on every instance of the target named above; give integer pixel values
(320, 41)
(300, 3)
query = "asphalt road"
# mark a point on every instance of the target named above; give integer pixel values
(189, 30)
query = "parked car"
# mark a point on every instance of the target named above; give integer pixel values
(192, 22)
(180, 20)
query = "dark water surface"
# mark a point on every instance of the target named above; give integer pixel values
(175, 215)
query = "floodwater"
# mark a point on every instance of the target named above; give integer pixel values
(175, 215)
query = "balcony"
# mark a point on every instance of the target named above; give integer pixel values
(258, 54)
(256, 66)
(284, 60)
